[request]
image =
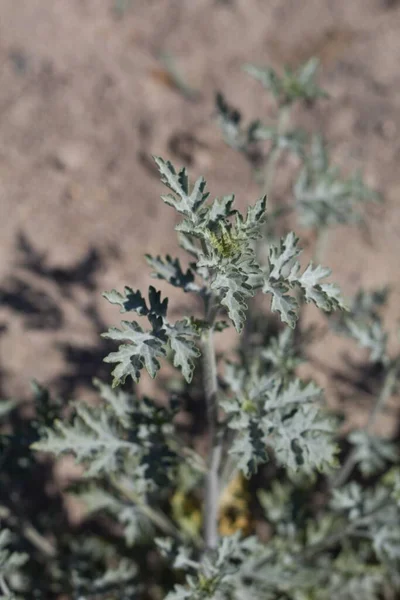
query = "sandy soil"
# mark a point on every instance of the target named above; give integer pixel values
(85, 100)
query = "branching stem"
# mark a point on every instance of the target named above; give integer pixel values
(160, 520)
(230, 467)
(320, 245)
(215, 452)
(4, 587)
(283, 117)
(29, 532)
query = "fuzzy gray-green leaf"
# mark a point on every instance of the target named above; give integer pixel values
(171, 270)
(180, 338)
(189, 201)
(282, 302)
(284, 275)
(303, 441)
(144, 350)
(128, 301)
(92, 438)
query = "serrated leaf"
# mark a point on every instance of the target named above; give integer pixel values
(303, 441)
(147, 347)
(282, 353)
(92, 438)
(276, 502)
(370, 336)
(323, 197)
(358, 501)
(217, 575)
(284, 275)
(282, 258)
(186, 242)
(294, 393)
(249, 449)
(220, 208)
(266, 76)
(189, 202)
(291, 85)
(229, 119)
(170, 270)
(265, 411)
(120, 402)
(324, 295)
(386, 542)
(128, 301)
(115, 576)
(233, 290)
(249, 227)
(180, 338)
(372, 453)
(364, 324)
(144, 350)
(282, 302)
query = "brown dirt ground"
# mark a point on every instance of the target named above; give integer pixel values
(85, 100)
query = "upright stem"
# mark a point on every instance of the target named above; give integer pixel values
(4, 587)
(386, 392)
(384, 395)
(269, 172)
(320, 244)
(29, 532)
(210, 519)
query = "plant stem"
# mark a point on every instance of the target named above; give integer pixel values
(230, 468)
(159, 519)
(210, 519)
(385, 393)
(320, 244)
(29, 532)
(4, 587)
(283, 117)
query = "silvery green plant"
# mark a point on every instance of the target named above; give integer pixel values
(257, 413)
(332, 519)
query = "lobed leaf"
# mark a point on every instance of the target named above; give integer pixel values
(144, 350)
(180, 338)
(92, 438)
(303, 441)
(322, 197)
(291, 85)
(189, 201)
(285, 416)
(170, 270)
(284, 275)
(372, 453)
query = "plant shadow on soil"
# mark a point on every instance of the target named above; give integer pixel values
(37, 293)
(41, 294)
